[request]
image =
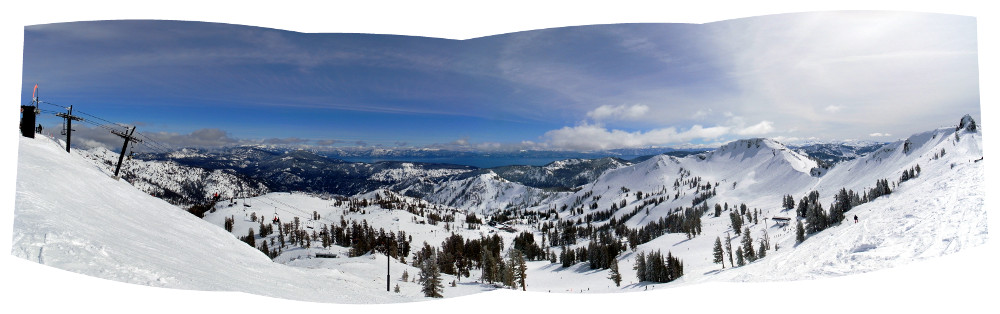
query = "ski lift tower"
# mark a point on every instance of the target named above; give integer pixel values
(128, 138)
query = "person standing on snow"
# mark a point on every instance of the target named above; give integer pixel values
(855, 218)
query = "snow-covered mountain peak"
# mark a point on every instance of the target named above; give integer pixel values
(186, 153)
(751, 144)
(968, 124)
(761, 151)
(563, 163)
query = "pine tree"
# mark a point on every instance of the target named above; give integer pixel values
(836, 214)
(430, 278)
(263, 248)
(739, 257)
(615, 275)
(762, 251)
(718, 256)
(507, 274)
(748, 246)
(654, 266)
(640, 266)
(396, 290)
(489, 274)
(729, 248)
(800, 211)
(788, 202)
(800, 232)
(765, 241)
(815, 216)
(249, 239)
(520, 268)
(736, 221)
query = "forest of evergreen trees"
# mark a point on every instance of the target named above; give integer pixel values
(818, 220)
(658, 268)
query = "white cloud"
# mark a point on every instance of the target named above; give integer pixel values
(880, 135)
(596, 137)
(701, 113)
(620, 112)
(866, 67)
(761, 128)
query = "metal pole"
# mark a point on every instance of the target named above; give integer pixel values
(387, 258)
(69, 127)
(121, 156)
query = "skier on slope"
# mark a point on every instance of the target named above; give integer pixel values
(855, 218)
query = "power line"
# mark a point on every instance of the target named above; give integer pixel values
(96, 117)
(48, 103)
(146, 137)
(154, 148)
(103, 126)
(153, 143)
(300, 211)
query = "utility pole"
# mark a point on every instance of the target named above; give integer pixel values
(128, 138)
(387, 259)
(69, 123)
(385, 243)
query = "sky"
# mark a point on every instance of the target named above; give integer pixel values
(847, 75)
(36, 283)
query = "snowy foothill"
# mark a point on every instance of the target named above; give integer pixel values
(937, 213)
(70, 214)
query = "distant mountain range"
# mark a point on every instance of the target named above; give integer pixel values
(829, 154)
(252, 170)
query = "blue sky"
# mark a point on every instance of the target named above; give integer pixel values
(793, 77)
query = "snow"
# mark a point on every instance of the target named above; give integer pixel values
(487, 193)
(289, 205)
(409, 170)
(167, 177)
(108, 233)
(938, 213)
(70, 215)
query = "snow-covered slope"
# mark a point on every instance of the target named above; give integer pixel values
(180, 185)
(69, 214)
(100, 227)
(561, 174)
(939, 212)
(487, 193)
(836, 152)
(752, 171)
